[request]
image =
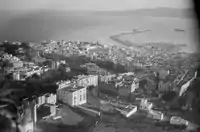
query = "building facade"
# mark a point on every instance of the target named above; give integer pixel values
(92, 68)
(16, 76)
(127, 111)
(50, 98)
(134, 85)
(155, 115)
(175, 120)
(72, 96)
(86, 81)
(165, 86)
(63, 84)
(46, 99)
(106, 78)
(145, 105)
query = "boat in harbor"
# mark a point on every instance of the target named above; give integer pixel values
(179, 30)
(139, 30)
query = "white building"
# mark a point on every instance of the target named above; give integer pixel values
(128, 110)
(185, 87)
(63, 84)
(16, 76)
(29, 127)
(155, 115)
(50, 98)
(91, 47)
(29, 64)
(134, 85)
(106, 78)
(53, 110)
(46, 99)
(67, 69)
(86, 81)
(41, 100)
(145, 105)
(175, 120)
(72, 96)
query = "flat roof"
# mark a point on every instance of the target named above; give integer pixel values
(127, 109)
(71, 88)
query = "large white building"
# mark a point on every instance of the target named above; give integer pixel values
(72, 95)
(134, 85)
(175, 120)
(127, 111)
(157, 115)
(86, 81)
(47, 99)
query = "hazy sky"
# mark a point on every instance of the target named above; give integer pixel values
(90, 4)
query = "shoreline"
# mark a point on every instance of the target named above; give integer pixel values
(128, 43)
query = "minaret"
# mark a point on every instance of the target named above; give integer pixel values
(35, 116)
(35, 113)
(195, 74)
(38, 54)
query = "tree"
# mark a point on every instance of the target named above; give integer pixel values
(9, 112)
(6, 63)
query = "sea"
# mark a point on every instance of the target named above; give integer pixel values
(92, 26)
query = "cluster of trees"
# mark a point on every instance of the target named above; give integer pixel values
(110, 66)
(57, 75)
(12, 48)
(108, 89)
(79, 60)
(191, 99)
(9, 112)
(11, 94)
(28, 53)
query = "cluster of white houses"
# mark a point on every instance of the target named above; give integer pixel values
(20, 70)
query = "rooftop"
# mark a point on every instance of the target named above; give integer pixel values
(129, 108)
(85, 76)
(72, 88)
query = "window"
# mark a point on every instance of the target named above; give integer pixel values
(84, 95)
(75, 100)
(63, 94)
(80, 95)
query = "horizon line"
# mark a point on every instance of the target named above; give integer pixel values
(102, 10)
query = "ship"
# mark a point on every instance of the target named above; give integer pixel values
(139, 30)
(179, 30)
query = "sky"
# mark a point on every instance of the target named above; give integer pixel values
(29, 5)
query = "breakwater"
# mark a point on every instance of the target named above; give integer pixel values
(127, 43)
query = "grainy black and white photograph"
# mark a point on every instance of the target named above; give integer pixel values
(99, 66)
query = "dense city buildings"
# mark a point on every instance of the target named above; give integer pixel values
(96, 78)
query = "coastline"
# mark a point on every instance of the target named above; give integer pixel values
(127, 43)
